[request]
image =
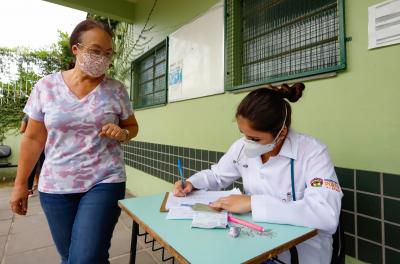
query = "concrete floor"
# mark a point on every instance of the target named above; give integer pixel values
(27, 239)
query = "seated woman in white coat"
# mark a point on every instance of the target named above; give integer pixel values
(288, 177)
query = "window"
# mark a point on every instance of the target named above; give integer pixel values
(275, 40)
(149, 78)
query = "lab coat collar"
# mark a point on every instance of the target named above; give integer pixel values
(290, 146)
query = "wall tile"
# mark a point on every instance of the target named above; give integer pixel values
(391, 185)
(369, 205)
(369, 252)
(369, 229)
(368, 181)
(346, 177)
(350, 245)
(392, 236)
(392, 210)
(392, 257)
(348, 222)
(348, 200)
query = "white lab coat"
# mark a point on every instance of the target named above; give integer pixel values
(269, 185)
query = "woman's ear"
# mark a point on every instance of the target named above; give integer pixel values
(74, 50)
(285, 132)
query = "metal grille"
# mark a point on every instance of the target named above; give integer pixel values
(275, 40)
(149, 78)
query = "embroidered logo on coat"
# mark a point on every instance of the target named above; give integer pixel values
(317, 182)
(331, 185)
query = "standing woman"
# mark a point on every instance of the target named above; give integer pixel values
(288, 177)
(80, 117)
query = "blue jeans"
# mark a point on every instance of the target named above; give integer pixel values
(82, 224)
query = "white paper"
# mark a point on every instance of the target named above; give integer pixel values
(210, 219)
(178, 213)
(384, 24)
(201, 196)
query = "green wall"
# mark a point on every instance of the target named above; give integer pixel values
(355, 113)
(11, 140)
(145, 184)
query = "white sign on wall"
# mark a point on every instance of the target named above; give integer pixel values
(384, 24)
(196, 57)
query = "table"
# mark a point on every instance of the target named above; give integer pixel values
(193, 245)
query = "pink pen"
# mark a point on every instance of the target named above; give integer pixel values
(245, 223)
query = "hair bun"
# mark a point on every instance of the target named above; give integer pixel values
(292, 93)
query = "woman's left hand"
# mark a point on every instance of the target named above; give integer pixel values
(113, 131)
(236, 203)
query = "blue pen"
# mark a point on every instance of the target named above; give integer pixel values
(181, 173)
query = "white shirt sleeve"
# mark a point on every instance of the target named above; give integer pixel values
(321, 203)
(33, 107)
(221, 175)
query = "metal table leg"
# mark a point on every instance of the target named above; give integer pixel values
(135, 232)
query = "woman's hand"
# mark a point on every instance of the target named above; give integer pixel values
(19, 200)
(236, 203)
(114, 132)
(179, 191)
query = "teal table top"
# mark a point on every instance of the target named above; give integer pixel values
(213, 245)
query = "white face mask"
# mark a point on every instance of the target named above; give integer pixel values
(253, 149)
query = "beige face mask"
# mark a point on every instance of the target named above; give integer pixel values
(93, 65)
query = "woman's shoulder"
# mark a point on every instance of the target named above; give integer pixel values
(115, 87)
(236, 146)
(48, 82)
(307, 143)
(114, 83)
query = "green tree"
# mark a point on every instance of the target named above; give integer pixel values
(31, 66)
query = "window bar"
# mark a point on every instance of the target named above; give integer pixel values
(295, 21)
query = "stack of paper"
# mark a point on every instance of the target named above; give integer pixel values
(176, 213)
(179, 207)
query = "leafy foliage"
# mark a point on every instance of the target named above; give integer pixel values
(31, 66)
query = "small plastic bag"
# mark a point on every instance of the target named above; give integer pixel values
(210, 219)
